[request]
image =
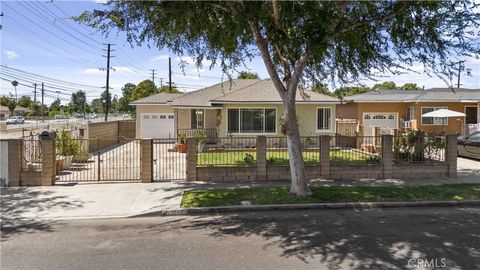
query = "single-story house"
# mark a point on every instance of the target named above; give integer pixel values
(394, 109)
(18, 111)
(242, 107)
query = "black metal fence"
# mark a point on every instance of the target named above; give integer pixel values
(228, 151)
(168, 163)
(356, 150)
(116, 162)
(277, 151)
(416, 147)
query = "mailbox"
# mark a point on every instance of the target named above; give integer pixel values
(47, 135)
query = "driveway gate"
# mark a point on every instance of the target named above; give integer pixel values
(101, 160)
(168, 164)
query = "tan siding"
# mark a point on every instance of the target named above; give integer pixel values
(347, 111)
(454, 123)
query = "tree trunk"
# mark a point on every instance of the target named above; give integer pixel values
(297, 165)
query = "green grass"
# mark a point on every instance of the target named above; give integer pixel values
(332, 194)
(236, 158)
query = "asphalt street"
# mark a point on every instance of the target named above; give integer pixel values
(326, 239)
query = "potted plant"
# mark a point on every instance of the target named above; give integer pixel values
(201, 136)
(182, 146)
(66, 148)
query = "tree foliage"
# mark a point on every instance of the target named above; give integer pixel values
(247, 75)
(25, 101)
(77, 102)
(385, 86)
(411, 86)
(166, 89)
(144, 89)
(321, 88)
(123, 103)
(308, 40)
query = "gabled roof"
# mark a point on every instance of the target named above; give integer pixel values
(428, 95)
(265, 92)
(160, 98)
(202, 97)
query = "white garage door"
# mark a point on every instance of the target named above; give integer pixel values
(157, 125)
(381, 120)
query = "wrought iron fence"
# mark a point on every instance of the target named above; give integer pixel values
(355, 149)
(277, 151)
(228, 151)
(168, 162)
(32, 152)
(209, 133)
(416, 147)
(115, 162)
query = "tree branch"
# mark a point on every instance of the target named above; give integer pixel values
(263, 47)
(276, 14)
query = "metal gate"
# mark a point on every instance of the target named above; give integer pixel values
(100, 160)
(168, 164)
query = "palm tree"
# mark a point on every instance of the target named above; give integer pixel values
(15, 84)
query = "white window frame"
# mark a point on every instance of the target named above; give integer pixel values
(332, 119)
(440, 118)
(410, 114)
(251, 108)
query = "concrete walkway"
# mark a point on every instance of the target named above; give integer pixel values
(70, 201)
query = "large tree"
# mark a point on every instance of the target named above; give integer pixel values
(311, 40)
(25, 101)
(78, 102)
(144, 89)
(247, 75)
(123, 102)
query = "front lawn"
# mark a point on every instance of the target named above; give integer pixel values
(238, 158)
(332, 194)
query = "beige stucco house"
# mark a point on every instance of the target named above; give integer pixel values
(235, 108)
(395, 109)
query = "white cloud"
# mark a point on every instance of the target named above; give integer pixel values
(160, 57)
(191, 61)
(11, 54)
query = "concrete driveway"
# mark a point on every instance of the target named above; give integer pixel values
(468, 169)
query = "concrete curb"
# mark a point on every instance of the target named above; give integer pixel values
(286, 207)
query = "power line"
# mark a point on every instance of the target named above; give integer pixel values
(45, 78)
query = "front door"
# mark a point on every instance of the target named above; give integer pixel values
(471, 114)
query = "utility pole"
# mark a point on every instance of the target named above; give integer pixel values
(43, 93)
(460, 67)
(107, 87)
(170, 74)
(153, 75)
(34, 93)
(161, 82)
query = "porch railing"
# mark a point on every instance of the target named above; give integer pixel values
(210, 132)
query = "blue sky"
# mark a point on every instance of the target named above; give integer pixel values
(39, 38)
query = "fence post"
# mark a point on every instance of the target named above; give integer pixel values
(146, 160)
(325, 156)
(48, 161)
(387, 156)
(451, 154)
(261, 148)
(15, 161)
(191, 159)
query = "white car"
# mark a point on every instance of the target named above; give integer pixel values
(15, 120)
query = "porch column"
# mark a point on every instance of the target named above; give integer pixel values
(325, 156)
(387, 156)
(191, 159)
(451, 154)
(146, 160)
(261, 148)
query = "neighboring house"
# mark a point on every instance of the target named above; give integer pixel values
(18, 111)
(394, 109)
(239, 108)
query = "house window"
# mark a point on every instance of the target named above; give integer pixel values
(198, 118)
(324, 118)
(433, 120)
(154, 116)
(379, 116)
(146, 116)
(391, 116)
(170, 117)
(163, 116)
(410, 113)
(251, 120)
(367, 116)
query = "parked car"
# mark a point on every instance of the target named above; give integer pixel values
(15, 120)
(126, 116)
(469, 146)
(92, 116)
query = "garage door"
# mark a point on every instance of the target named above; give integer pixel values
(381, 120)
(157, 125)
